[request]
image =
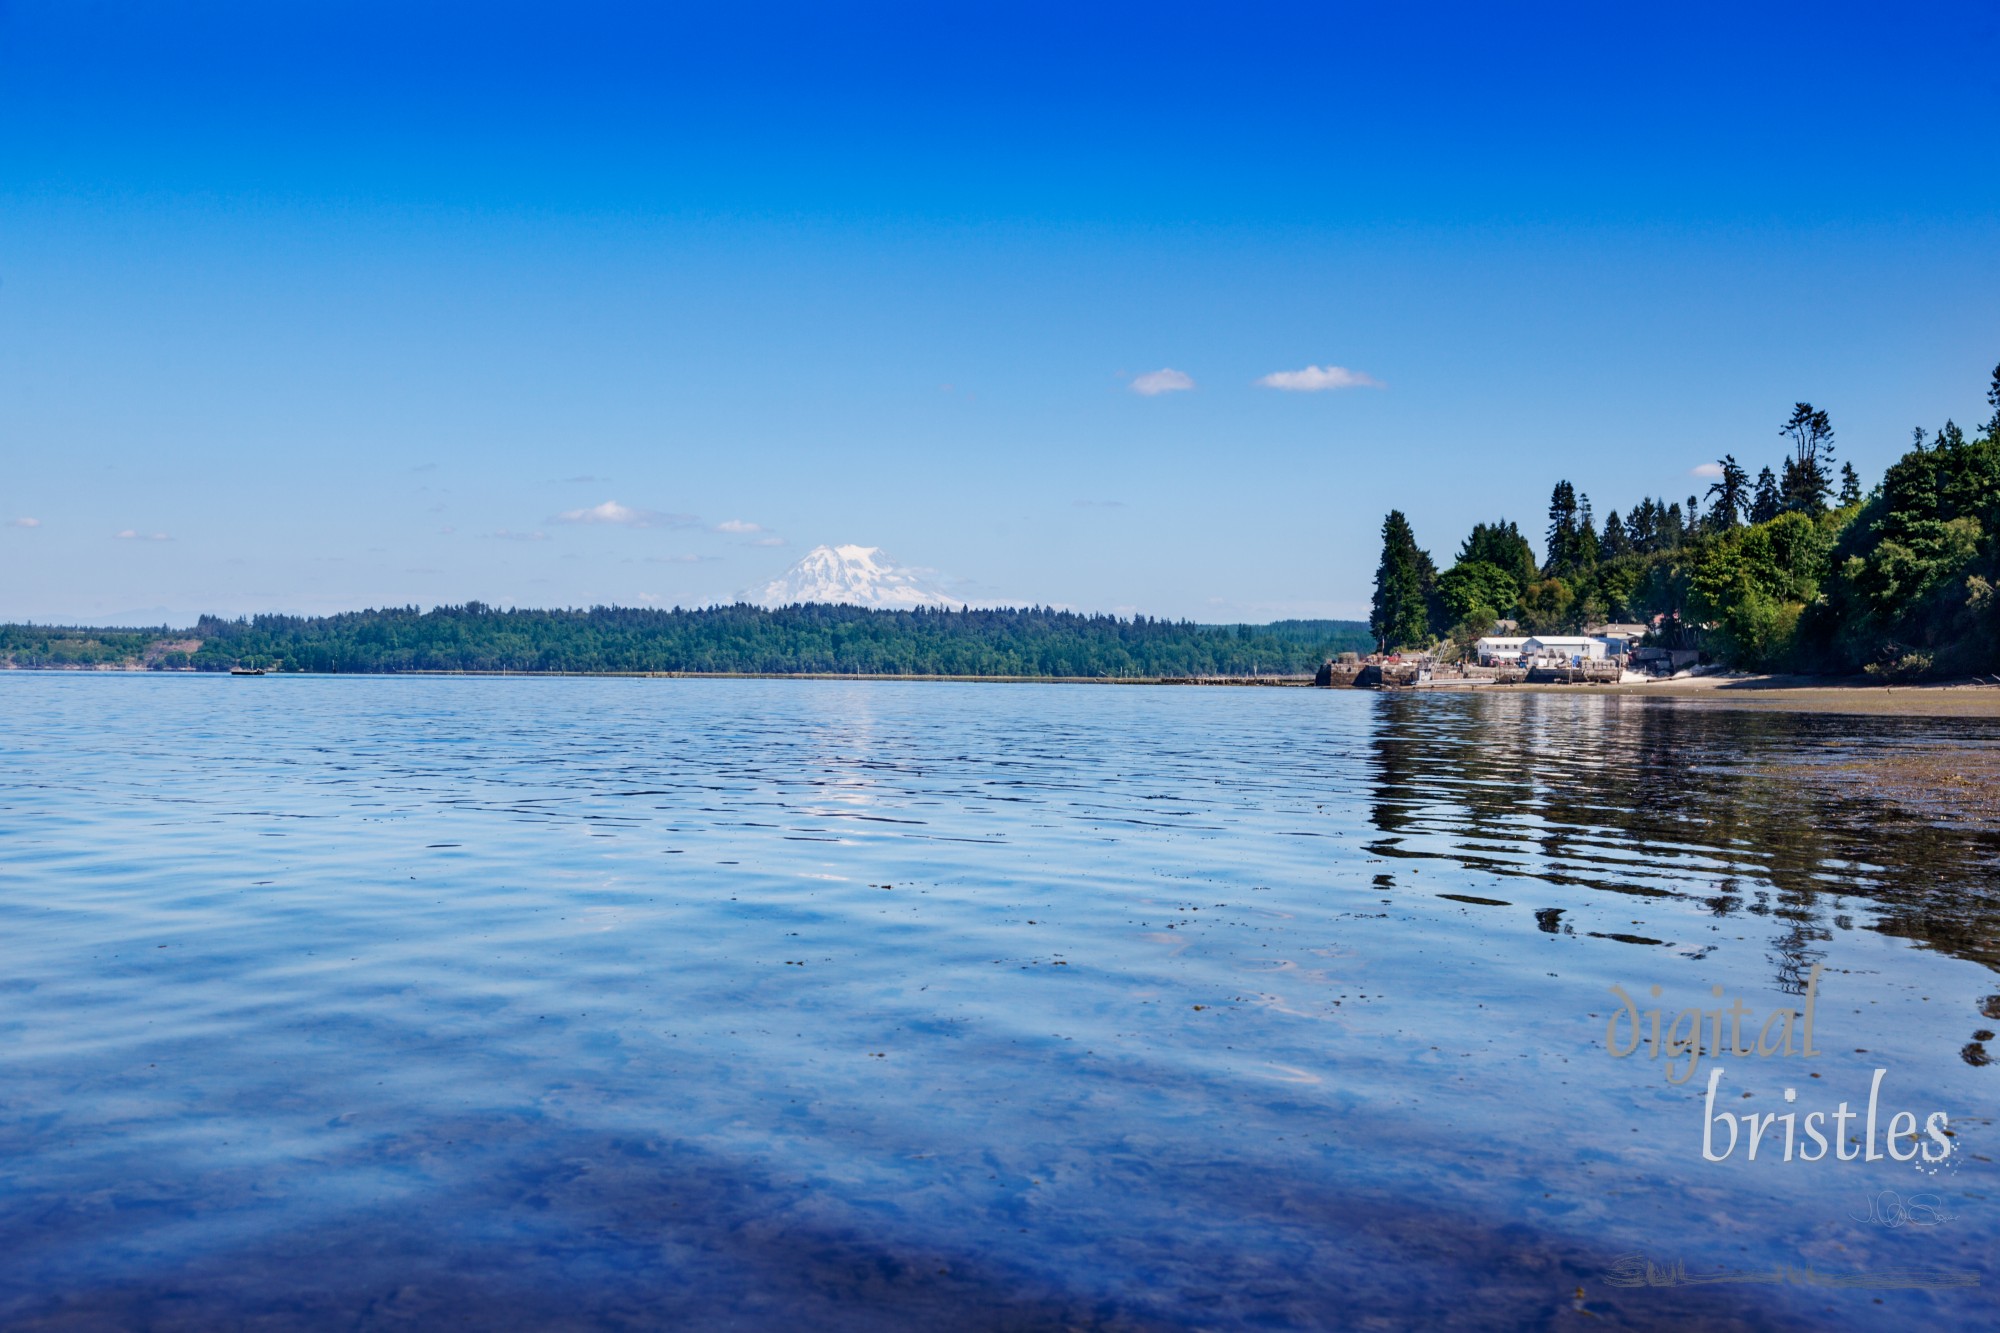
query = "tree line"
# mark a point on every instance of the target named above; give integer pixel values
(807, 639)
(1795, 569)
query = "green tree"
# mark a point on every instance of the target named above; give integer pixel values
(1561, 551)
(1850, 486)
(1399, 615)
(1502, 546)
(1614, 543)
(1992, 427)
(1471, 587)
(1729, 496)
(1546, 606)
(1806, 484)
(1766, 504)
(1753, 585)
(1617, 587)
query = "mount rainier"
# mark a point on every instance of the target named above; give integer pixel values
(856, 576)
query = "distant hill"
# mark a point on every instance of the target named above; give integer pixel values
(1337, 636)
(790, 640)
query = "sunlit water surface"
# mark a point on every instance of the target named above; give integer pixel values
(556, 1003)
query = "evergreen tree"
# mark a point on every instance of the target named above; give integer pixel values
(1437, 618)
(1806, 484)
(1562, 552)
(1730, 495)
(1766, 505)
(1614, 543)
(1644, 527)
(1850, 486)
(1673, 527)
(1992, 427)
(1502, 546)
(1399, 616)
(1585, 551)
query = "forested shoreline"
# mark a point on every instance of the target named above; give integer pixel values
(1795, 570)
(822, 639)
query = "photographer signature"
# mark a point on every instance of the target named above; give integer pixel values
(1636, 1270)
(1888, 1209)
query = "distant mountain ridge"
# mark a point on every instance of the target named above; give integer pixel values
(833, 639)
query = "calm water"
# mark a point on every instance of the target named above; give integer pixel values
(370, 1003)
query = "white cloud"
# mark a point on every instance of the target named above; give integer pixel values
(1313, 379)
(769, 541)
(680, 559)
(625, 516)
(1706, 470)
(738, 526)
(25, 523)
(506, 536)
(1162, 381)
(132, 535)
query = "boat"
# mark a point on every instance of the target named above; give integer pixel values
(246, 671)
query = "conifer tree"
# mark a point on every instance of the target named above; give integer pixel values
(1766, 505)
(1730, 495)
(1850, 486)
(1400, 615)
(1561, 551)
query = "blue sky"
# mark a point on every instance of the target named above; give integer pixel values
(342, 305)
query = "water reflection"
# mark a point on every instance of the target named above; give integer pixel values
(1770, 815)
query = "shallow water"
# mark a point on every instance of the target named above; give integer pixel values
(488, 1003)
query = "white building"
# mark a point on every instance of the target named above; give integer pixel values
(1495, 648)
(1563, 649)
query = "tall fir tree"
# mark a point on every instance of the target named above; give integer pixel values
(1502, 546)
(1729, 496)
(1765, 503)
(1400, 615)
(1806, 483)
(1614, 543)
(1561, 550)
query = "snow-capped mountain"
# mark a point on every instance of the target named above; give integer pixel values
(854, 575)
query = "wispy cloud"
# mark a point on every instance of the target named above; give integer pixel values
(1161, 381)
(1710, 470)
(680, 559)
(134, 535)
(1314, 379)
(625, 516)
(739, 527)
(504, 535)
(24, 523)
(770, 541)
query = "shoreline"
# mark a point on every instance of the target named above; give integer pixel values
(1963, 697)
(1976, 697)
